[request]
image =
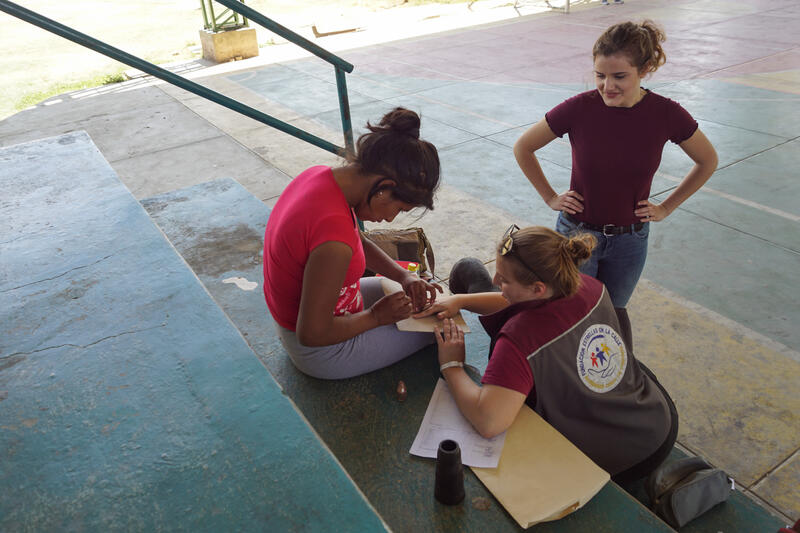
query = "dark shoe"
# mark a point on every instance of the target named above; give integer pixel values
(469, 275)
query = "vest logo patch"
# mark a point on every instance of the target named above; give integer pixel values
(601, 358)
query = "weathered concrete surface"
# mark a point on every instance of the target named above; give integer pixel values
(154, 143)
(292, 155)
(217, 227)
(780, 486)
(724, 382)
(128, 401)
(733, 65)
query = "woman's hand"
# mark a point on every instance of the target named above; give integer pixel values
(392, 308)
(650, 212)
(450, 340)
(570, 202)
(445, 308)
(421, 292)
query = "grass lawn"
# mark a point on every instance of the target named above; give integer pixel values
(37, 64)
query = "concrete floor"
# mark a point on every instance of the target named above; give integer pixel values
(717, 315)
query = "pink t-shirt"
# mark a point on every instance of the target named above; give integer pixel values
(617, 150)
(312, 210)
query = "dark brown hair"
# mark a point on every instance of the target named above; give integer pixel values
(641, 43)
(393, 149)
(554, 258)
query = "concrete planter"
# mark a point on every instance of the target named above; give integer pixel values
(229, 45)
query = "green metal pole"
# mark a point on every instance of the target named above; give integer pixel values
(344, 109)
(133, 61)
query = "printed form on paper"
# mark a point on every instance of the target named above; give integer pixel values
(443, 420)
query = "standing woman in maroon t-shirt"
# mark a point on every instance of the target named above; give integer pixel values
(617, 133)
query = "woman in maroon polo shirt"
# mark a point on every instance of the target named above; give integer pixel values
(617, 133)
(556, 345)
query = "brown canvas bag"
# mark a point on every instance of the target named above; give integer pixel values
(409, 244)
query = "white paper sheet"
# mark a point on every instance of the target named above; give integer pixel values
(442, 421)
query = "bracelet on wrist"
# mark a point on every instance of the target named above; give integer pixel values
(450, 364)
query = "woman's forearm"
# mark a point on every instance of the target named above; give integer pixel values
(483, 303)
(466, 394)
(696, 178)
(702, 152)
(323, 279)
(533, 139)
(530, 166)
(490, 409)
(338, 329)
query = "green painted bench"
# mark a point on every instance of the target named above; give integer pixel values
(128, 401)
(218, 227)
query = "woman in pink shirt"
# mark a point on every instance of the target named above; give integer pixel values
(334, 323)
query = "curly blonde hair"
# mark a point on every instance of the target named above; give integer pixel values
(640, 42)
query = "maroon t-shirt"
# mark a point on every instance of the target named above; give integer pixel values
(508, 367)
(617, 150)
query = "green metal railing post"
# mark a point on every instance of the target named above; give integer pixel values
(286, 33)
(133, 61)
(340, 65)
(344, 109)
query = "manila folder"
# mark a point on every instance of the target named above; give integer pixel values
(541, 475)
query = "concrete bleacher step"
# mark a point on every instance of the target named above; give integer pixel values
(218, 228)
(128, 401)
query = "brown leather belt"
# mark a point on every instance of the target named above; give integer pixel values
(607, 229)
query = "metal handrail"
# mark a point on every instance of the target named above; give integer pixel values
(286, 33)
(340, 65)
(179, 81)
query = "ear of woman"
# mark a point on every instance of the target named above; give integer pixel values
(390, 170)
(540, 291)
(379, 186)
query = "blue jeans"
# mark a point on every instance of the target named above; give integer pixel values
(617, 261)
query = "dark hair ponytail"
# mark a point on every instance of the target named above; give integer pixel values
(640, 42)
(393, 149)
(553, 257)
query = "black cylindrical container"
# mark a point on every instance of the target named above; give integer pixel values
(449, 488)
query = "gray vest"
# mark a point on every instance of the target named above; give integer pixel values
(587, 384)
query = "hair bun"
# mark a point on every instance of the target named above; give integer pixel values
(403, 121)
(579, 247)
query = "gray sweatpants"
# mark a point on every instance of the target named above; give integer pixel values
(371, 350)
